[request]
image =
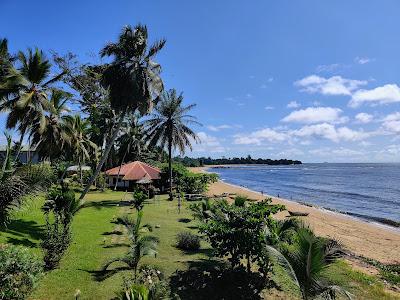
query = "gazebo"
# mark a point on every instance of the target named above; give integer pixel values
(132, 174)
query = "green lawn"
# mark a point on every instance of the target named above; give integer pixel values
(97, 238)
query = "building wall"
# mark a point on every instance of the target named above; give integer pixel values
(111, 180)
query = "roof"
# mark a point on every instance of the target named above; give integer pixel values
(136, 170)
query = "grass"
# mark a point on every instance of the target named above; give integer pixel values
(97, 238)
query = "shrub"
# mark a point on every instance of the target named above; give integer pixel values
(101, 181)
(138, 200)
(42, 175)
(187, 241)
(240, 200)
(19, 272)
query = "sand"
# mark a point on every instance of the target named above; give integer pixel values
(372, 240)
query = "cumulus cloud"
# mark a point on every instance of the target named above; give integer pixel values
(311, 115)
(259, 136)
(293, 104)
(362, 60)
(364, 118)
(219, 127)
(208, 143)
(330, 132)
(388, 93)
(392, 122)
(335, 85)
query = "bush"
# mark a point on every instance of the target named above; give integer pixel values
(240, 200)
(187, 241)
(19, 272)
(42, 175)
(138, 199)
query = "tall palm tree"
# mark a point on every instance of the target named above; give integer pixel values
(305, 261)
(131, 141)
(76, 134)
(141, 245)
(50, 142)
(6, 60)
(169, 128)
(24, 92)
(133, 79)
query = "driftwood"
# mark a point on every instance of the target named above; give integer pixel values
(297, 214)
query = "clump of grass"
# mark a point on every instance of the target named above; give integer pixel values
(240, 200)
(187, 241)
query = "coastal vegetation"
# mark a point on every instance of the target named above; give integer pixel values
(65, 232)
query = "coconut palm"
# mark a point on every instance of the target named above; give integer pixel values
(5, 60)
(141, 245)
(24, 92)
(131, 141)
(76, 134)
(133, 79)
(50, 142)
(305, 262)
(169, 128)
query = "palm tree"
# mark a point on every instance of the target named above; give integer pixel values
(305, 261)
(133, 80)
(141, 245)
(5, 60)
(131, 141)
(76, 134)
(24, 92)
(50, 142)
(168, 127)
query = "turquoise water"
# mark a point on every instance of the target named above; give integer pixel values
(370, 191)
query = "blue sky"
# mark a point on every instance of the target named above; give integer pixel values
(310, 80)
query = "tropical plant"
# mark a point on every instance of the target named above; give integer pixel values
(132, 79)
(240, 200)
(187, 241)
(305, 260)
(138, 200)
(169, 128)
(76, 134)
(19, 272)
(6, 60)
(12, 186)
(141, 245)
(135, 292)
(25, 90)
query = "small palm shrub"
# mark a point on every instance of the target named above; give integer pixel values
(42, 174)
(187, 241)
(19, 272)
(138, 200)
(240, 200)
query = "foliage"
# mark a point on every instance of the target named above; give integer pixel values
(201, 161)
(240, 200)
(19, 272)
(62, 204)
(390, 272)
(138, 200)
(187, 241)
(205, 209)
(140, 245)
(237, 232)
(41, 174)
(135, 292)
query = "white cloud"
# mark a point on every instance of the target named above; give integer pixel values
(388, 93)
(328, 68)
(335, 85)
(392, 122)
(223, 126)
(293, 104)
(330, 132)
(257, 137)
(269, 108)
(316, 115)
(363, 60)
(334, 153)
(364, 118)
(208, 143)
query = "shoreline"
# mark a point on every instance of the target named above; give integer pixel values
(361, 237)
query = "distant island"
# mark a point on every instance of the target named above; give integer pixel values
(201, 161)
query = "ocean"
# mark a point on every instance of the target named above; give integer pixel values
(368, 191)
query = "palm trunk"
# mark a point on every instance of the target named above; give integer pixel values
(120, 166)
(170, 168)
(80, 171)
(21, 138)
(105, 155)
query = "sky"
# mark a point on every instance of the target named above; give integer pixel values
(311, 80)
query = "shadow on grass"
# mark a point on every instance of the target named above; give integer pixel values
(192, 227)
(105, 204)
(116, 245)
(101, 275)
(212, 279)
(116, 232)
(26, 230)
(184, 220)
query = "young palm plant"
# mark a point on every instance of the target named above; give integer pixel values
(141, 245)
(24, 92)
(133, 79)
(305, 261)
(169, 128)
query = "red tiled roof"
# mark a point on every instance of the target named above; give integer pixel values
(135, 171)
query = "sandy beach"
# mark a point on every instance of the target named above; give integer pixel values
(379, 242)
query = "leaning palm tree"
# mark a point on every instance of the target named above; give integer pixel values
(50, 141)
(133, 80)
(169, 128)
(305, 262)
(24, 92)
(76, 134)
(141, 245)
